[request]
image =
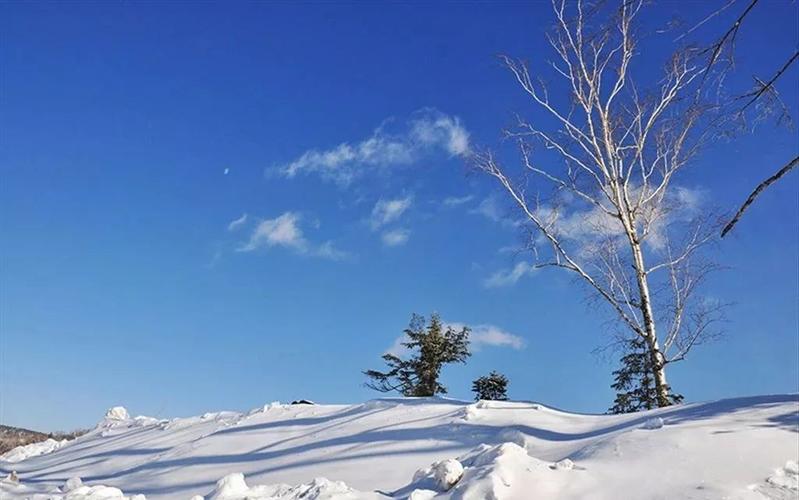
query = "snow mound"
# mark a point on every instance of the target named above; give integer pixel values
(497, 472)
(265, 408)
(440, 476)
(233, 487)
(783, 484)
(786, 477)
(503, 471)
(447, 473)
(99, 492)
(142, 421)
(21, 453)
(422, 495)
(73, 489)
(117, 413)
(653, 424)
(564, 464)
(72, 483)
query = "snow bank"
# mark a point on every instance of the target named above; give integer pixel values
(221, 417)
(503, 471)
(99, 492)
(21, 453)
(233, 487)
(502, 450)
(73, 489)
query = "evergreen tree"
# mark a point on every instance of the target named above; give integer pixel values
(493, 386)
(635, 382)
(432, 346)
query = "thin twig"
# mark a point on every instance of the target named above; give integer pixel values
(766, 86)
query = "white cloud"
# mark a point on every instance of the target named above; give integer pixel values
(490, 209)
(435, 128)
(479, 336)
(590, 226)
(507, 277)
(284, 231)
(585, 229)
(328, 251)
(395, 237)
(281, 231)
(455, 201)
(386, 211)
(237, 223)
(490, 335)
(425, 132)
(397, 349)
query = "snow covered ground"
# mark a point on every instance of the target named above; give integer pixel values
(744, 448)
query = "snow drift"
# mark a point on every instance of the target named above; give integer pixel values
(21, 453)
(420, 449)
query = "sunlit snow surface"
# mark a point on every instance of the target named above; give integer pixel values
(745, 448)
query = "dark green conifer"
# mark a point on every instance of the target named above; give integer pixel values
(431, 346)
(634, 381)
(493, 386)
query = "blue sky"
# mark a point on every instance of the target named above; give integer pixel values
(155, 254)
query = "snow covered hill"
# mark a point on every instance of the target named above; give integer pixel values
(744, 448)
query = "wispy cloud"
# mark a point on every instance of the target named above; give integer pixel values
(482, 335)
(282, 231)
(285, 231)
(397, 349)
(328, 251)
(590, 226)
(237, 223)
(456, 201)
(490, 209)
(386, 211)
(490, 335)
(395, 237)
(425, 132)
(508, 277)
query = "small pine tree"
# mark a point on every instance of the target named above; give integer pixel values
(493, 386)
(634, 382)
(432, 347)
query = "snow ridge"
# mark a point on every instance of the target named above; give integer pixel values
(744, 448)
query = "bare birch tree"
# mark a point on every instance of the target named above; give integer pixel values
(596, 178)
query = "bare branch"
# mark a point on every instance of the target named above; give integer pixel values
(759, 189)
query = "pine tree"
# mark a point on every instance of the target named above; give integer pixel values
(635, 384)
(432, 346)
(493, 386)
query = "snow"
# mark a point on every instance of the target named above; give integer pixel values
(653, 424)
(21, 453)
(564, 464)
(73, 489)
(441, 475)
(783, 484)
(72, 483)
(426, 448)
(117, 413)
(447, 473)
(234, 487)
